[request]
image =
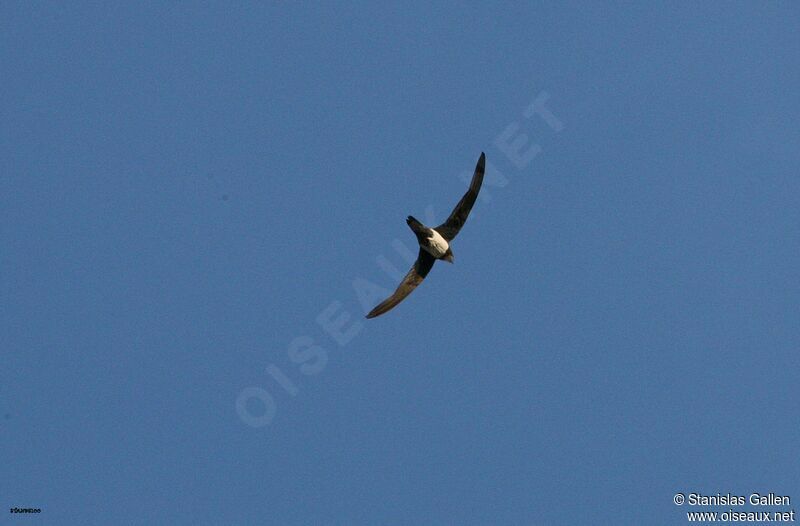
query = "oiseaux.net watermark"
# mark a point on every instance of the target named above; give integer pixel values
(255, 405)
(728, 507)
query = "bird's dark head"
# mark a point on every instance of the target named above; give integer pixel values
(448, 256)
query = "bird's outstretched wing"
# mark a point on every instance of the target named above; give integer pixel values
(414, 277)
(449, 229)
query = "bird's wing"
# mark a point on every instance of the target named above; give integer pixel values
(449, 229)
(414, 277)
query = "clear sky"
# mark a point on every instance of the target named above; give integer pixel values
(199, 203)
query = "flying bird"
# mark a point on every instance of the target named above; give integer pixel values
(434, 243)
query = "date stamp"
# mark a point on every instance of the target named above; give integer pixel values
(24, 510)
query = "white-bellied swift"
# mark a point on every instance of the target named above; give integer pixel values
(434, 243)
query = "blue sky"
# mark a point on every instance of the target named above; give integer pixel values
(195, 199)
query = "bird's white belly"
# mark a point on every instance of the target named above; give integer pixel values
(437, 245)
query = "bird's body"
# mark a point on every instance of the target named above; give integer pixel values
(429, 239)
(434, 243)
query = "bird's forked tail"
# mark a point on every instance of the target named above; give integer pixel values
(415, 225)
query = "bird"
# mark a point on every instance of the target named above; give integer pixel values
(434, 243)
